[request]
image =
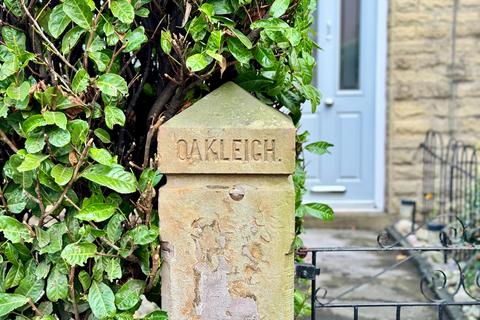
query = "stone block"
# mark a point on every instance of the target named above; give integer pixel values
(228, 131)
(227, 211)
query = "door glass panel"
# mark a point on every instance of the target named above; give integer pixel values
(350, 45)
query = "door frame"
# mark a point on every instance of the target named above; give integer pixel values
(381, 105)
(380, 117)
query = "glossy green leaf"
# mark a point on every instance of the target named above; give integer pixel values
(156, 315)
(101, 300)
(114, 116)
(14, 230)
(61, 174)
(14, 7)
(55, 233)
(317, 210)
(20, 92)
(80, 81)
(149, 177)
(78, 130)
(14, 276)
(35, 142)
(79, 11)
(97, 212)
(243, 38)
(33, 122)
(101, 156)
(57, 118)
(320, 147)
(129, 294)
(58, 137)
(57, 285)
(143, 235)
(79, 253)
(101, 59)
(197, 62)
(31, 162)
(103, 135)
(16, 200)
(114, 178)
(207, 8)
(31, 287)
(10, 302)
(278, 8)
(214, 40)
(14, 39)
(85, 280)
(265, 56)
(58, 21)
(123, 10)
(238, 50)
(113, 269)
(135, 39)
(112, 84)
(166, 41)
(43, 268)
(114, 227)
(70, 39)
(272, 24)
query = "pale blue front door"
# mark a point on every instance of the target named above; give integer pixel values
(346, 32)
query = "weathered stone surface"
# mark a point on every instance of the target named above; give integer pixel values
(226, 258)
(227, 210)
(420, 82)
(228, 131)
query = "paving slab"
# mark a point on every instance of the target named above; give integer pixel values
(342, 270)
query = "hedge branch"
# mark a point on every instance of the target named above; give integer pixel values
(44, 37)
(5, 139)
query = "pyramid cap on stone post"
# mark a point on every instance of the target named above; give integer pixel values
(227, 131)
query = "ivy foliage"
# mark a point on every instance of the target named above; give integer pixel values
(84, 85)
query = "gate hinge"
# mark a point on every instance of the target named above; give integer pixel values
(306, 271)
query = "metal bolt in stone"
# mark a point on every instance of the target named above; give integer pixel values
(237, 193)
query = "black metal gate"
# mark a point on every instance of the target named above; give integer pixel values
(450, 211)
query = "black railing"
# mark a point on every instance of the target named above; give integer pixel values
(450, 179)
(450, 208)
(434, 285)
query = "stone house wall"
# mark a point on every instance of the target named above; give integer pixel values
(421, 83)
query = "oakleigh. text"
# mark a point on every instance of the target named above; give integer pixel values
(226, 149)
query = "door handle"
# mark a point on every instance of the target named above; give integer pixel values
(328, 36)
(329, 102)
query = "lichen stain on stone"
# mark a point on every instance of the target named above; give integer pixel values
(213, 294)
(214, 300)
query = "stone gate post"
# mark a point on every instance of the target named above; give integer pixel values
(227, 210)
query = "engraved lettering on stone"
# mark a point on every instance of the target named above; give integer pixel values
(210, 150)
(195, 152)
(269, 149)
(234, 150)
(256, 153)
(182, 151)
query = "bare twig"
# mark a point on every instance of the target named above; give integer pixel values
(34, 308)
(39, 197)
(44, 37)
(2, 199)
(92, 34)
(69, 185)
(161, 101)
(155, 266)
(151, 132)
(4, 138)
(71, 284)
